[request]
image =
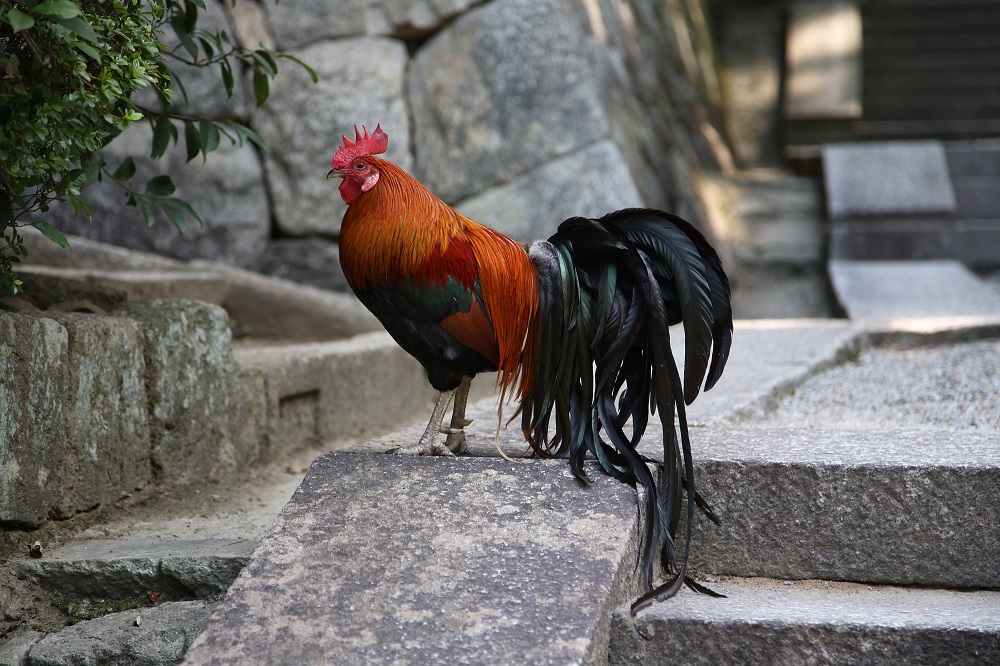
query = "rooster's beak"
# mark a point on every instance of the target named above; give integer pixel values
(334, 173)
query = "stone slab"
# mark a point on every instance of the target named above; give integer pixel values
(357, 388)
(384, 559)
(881, 179)
(14, 650)
(907, 507)
(120, 569)
(155, 636)
(204, 420)
(767, 622)
(34, 355)
(884, 291)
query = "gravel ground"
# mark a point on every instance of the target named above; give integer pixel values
(953, 387)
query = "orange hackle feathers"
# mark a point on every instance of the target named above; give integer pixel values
(439, 243)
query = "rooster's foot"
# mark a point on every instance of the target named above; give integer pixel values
(431, 448)
(455, 440)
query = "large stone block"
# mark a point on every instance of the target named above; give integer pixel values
(887, 506)
(161, 638)
(107, 437)
(297, 23)
(507, 87)
(533, 205)
(893, 178)
(337, 391)
(203, 423)
(360, 82)
(396, 559)
(33, 385)
(767, 622)
(226, 189)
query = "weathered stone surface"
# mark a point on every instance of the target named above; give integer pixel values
(656, 79)
(356, 388)
(360, 82)
(107, 436)
(811, 622)
(50, 289)
(14, 649)
(336, 581)
(302, 22)
(890, 178)
(268, 308)
(225, 189)
(203, 423)
(883, 291)
(533, 205)
(879, 506)
(114, 569)
(507, 87)
(160, 638)
(34, 355)
(90, 254)
(311, 260)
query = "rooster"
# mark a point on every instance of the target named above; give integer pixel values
(576, 326)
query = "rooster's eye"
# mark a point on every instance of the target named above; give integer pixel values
(359, 166)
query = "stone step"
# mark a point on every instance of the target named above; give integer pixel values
(888, 291)
(337, 391)
(873, 506)
(123, 569)
(382, 559)
(768, 622)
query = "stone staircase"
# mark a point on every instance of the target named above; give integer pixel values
(837, 545)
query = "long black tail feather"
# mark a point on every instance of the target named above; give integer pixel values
(609, 291)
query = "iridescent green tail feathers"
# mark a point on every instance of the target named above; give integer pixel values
(601, 361)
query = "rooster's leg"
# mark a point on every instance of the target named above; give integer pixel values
(456, 431)
(428, 445)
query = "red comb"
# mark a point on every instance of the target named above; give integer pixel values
(367, 144)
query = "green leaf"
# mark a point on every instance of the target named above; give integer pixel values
(175, 214)
(192, 139)
(125, 170)
(162, 134)
(53, 234)
(227, 77)
(209, 135)
(19, 20)
(309, 70)
(187, 208)
(60, 9)
(264, 61)
(160, 186)
(146, 210)
(261, 88)
(79, 27)
(243, 133)
(184, 36)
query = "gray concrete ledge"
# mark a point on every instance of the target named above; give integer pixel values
(383, 559)
(768, 622)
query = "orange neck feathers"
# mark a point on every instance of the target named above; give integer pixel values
(399, 232)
